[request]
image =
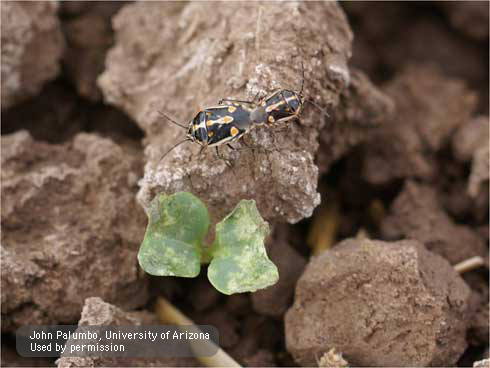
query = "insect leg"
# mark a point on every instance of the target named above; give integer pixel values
(227, 162)
(200, 151)
(247, 146)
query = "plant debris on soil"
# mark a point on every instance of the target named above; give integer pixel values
(373, 195)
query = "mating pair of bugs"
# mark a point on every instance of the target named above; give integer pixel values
(228, 122)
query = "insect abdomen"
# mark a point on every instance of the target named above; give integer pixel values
(224, 124)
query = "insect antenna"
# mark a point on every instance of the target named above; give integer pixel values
(306, 99)
(303, 76)
(172, 148)
(318, 107)
(171, 120)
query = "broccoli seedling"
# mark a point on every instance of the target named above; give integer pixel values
(172, 246)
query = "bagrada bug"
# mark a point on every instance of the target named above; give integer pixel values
(227, 123)
(280, 106)
(214, 126)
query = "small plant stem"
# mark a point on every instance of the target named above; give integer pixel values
(169, 314)
(324, 227)
(206, 253)
(469, 264)
(376, 212)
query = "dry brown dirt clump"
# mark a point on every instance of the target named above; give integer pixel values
(96, 312)
(470, 143)
(417, 214)
(391, 36)
(485, 363)
(471, 18)
(178, 58)
(363, 109)
(88, 34)
(379, 304)
(71, 228)
(429, 108)
(32, 45)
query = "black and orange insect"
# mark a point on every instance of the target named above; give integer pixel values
(215, 126)
(279, 106)
(226, 123)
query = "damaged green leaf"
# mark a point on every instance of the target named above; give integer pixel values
(177, 225)
(172, 246)
(240, 263)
